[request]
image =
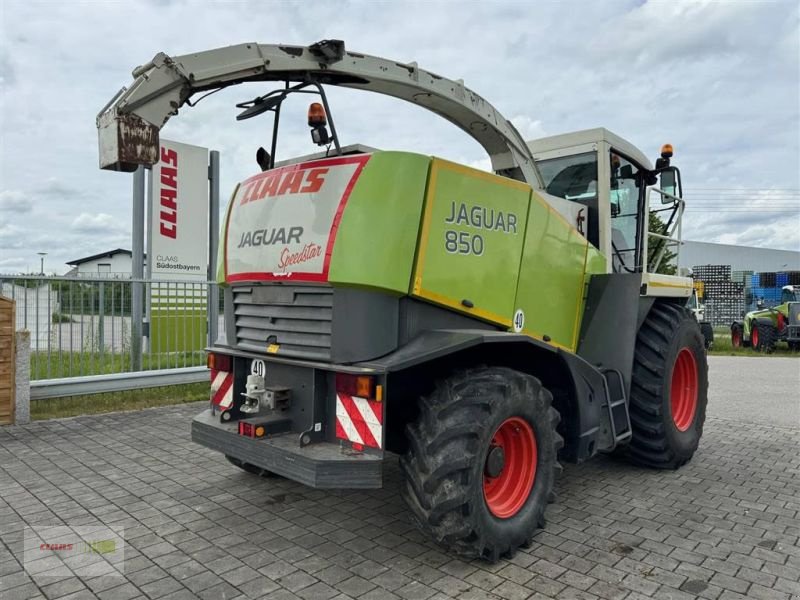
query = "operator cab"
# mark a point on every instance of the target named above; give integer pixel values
(790, 293)
(609, 179)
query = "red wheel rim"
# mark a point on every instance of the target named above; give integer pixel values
(507, 492)
(683, 392)
(754, 337)
(736, 338)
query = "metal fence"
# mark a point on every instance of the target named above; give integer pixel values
(82, 327)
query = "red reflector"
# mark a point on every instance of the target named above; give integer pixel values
(245, 429)
(218, 362)
(362, 386)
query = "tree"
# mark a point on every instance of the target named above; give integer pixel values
(668, 264)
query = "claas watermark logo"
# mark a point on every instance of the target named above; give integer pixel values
(84, 551)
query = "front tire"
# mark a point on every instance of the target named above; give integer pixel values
(669, 388)
(482, 461)
(764, 337)
(737, 339)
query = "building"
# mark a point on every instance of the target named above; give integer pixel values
(113, 263)
(36, 302)
(740, 258)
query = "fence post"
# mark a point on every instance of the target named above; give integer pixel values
(212, 295)
(101, 315)
(137, 269)
(22, 410)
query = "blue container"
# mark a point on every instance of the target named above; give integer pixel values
(782, 279)
(754, 280)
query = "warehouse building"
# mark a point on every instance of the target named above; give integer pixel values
(736, 279)
(739, 258)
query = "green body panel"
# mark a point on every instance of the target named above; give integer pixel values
(595, 261)
(471, 241)
(767, 313)
(377, 235)
(553, 275)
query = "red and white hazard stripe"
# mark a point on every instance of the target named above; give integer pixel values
(359, 420)
(222, 389)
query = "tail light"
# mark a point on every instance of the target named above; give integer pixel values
(362, 386)
(219, 362)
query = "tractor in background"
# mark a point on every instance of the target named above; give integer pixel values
(764, 328)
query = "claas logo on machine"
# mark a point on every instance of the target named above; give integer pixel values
(279, 183)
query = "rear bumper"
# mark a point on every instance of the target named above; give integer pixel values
(319, 465)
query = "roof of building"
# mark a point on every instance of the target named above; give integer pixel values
(107, 254)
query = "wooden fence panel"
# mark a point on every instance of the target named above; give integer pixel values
(7, 361)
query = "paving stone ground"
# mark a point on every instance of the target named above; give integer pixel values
(725, 526)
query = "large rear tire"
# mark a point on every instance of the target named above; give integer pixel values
(669, 389)
(482, 461)
(764, 337)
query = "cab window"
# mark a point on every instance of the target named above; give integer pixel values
(574, 178)
(788, 296)
(626, 195)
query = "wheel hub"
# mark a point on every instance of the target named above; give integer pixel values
(510, 468)
(495, 461)
(684, 389)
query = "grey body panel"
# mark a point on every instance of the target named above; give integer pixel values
(322, 465)
(610, 323)
(328, 324)
(437, 343)
(365, 324)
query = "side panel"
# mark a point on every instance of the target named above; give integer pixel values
(552, 276)
(608, 332)
(378, 231)
(471, 241)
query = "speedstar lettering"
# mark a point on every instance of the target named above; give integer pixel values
(289, 258)
(268, 237)
(481, 217)
(280, 183)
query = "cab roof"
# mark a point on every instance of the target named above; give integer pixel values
(588, 136)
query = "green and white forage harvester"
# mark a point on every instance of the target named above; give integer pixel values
(482, 326)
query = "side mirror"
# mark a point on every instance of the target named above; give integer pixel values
(669, 182)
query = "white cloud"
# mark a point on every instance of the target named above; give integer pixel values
(97, 223)
(14, 201)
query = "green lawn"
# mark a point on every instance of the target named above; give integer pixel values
(722, 346)
(54, 365)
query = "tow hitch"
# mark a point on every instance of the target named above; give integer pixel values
(258, 394)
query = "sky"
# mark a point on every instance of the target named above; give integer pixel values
(718, 80)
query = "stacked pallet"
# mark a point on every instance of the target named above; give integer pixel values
(724, 297)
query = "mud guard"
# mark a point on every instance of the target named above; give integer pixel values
(587, 417)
